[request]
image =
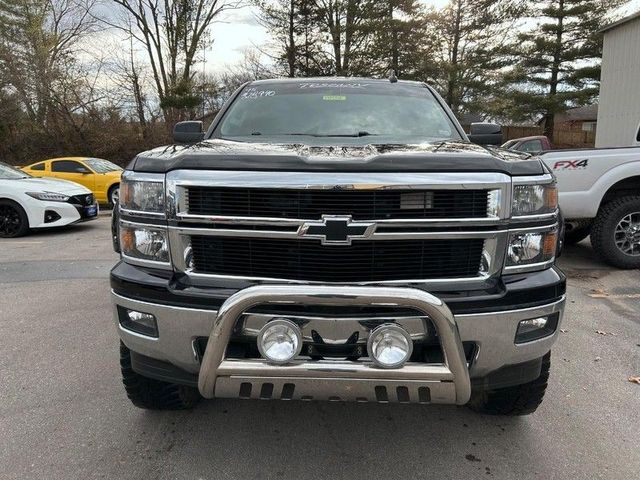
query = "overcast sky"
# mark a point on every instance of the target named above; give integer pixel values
(239, 30)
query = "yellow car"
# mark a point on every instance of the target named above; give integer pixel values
(100, 176)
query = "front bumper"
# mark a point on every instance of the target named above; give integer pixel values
(88, 212)
(448, 382)
(68, 213)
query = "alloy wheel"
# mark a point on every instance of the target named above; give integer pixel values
(10, 221)
(627, 234)
(115, 196)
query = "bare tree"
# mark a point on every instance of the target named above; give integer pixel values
(279, 18)
(217, 88)
(171, 33)
(130, 84)
(39, 43)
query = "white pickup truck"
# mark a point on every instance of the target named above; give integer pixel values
(599, 193)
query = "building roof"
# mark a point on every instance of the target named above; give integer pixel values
(588, 113)
(622, 21)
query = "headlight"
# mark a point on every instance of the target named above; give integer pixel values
(531, 248)
(534, 199)
(48, 196)
(142, 196)
(144, 243)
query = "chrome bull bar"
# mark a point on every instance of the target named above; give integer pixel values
(446, 383)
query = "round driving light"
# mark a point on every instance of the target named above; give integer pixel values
(279, 341)
(389, 346)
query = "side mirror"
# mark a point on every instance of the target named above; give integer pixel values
(188, 132)
(486, 134)
(83, 171)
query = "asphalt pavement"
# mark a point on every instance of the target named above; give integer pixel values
(64, 414)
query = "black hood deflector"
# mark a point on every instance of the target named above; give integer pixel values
(430, 157)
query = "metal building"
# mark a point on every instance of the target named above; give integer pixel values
(619, 113)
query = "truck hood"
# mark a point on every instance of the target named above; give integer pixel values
(51, 185)
(425, 157)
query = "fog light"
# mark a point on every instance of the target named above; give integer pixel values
(139, 322)
(50, 216)
(280, 341)
(389, 346)
(535, 328)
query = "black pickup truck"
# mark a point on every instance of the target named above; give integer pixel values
(337, 239)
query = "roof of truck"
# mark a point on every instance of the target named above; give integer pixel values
(334, 79)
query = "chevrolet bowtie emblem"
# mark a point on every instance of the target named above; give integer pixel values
(336, 230)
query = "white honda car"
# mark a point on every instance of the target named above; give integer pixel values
(33, 203)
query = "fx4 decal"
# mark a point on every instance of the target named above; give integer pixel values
(571, 164)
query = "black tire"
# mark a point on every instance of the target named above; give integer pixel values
(153, 394)
(114, 190)
(513, 401)
(576, 234)
(13, 220)
(604, 232)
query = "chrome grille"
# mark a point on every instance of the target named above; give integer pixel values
(260, 225)
(363, 261)
(359, 204)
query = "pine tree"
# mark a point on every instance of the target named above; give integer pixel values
(345, 24)
(471, 37)
(399, 39)
(312, 60)
(296, 43)
(559, 58)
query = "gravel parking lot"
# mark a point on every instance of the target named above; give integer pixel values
(64, 415)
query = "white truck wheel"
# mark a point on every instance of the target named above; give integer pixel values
(615, 234)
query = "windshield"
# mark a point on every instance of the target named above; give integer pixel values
(102, 166)
(8, 172)
(375, 112)
(509, 144)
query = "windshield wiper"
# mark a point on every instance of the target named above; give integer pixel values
(324, 135)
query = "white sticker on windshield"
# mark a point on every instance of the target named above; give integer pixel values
(334, 85)
(255, 93)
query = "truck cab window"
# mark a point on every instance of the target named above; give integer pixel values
(368, 113)
(532, 146)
